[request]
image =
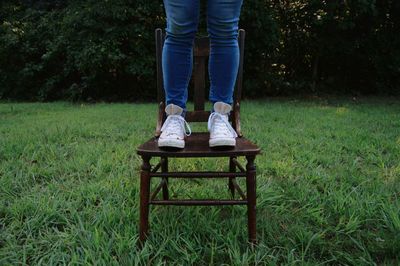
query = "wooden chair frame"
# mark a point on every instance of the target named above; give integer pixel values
(197, 146)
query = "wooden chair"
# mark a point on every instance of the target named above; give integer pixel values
(196, 145)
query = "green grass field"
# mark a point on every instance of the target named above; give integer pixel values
(328, 187)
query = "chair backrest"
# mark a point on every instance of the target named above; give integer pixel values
(200, 54)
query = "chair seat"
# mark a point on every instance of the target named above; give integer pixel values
(196, 145)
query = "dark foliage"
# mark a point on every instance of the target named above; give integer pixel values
(82, 50)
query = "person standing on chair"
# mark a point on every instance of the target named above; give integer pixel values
(177, 64)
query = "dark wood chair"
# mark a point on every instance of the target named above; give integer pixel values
(196, 145)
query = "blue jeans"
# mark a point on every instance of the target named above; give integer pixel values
(177, 54)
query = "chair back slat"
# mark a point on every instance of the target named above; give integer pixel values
(239, 79)
(199, 82)
(160, 37)
(201, 50)
(197, 116)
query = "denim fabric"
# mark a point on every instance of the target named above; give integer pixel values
(177, 55)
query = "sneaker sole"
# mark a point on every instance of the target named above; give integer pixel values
(221, 142)
(171, 143)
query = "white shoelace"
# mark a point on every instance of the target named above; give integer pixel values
(220, 124)
(174, 124)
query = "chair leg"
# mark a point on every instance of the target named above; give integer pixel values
(251, 198)
(144, 199)
(232, 168)
(164, 168)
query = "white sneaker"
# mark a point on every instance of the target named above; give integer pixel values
(221, 131)
(173, 129)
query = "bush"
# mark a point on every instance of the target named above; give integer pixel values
(82, 50)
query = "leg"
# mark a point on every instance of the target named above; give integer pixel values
(222, 25)
(251, 198)
(164, 168)
(144, 199)
(177, 56)
(232, 168)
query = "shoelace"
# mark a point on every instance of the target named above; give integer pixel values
(221, 124)
(175, 123)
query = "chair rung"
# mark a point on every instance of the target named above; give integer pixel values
(238, 189)
(158, 165)
(162, 183)
(198, 202)
(199, 174)
(236, 162)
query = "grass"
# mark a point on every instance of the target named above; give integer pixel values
(328, 187)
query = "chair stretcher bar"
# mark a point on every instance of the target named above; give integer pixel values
(199, 174)
(198, 202)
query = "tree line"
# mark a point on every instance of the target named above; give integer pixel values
(104, 50)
